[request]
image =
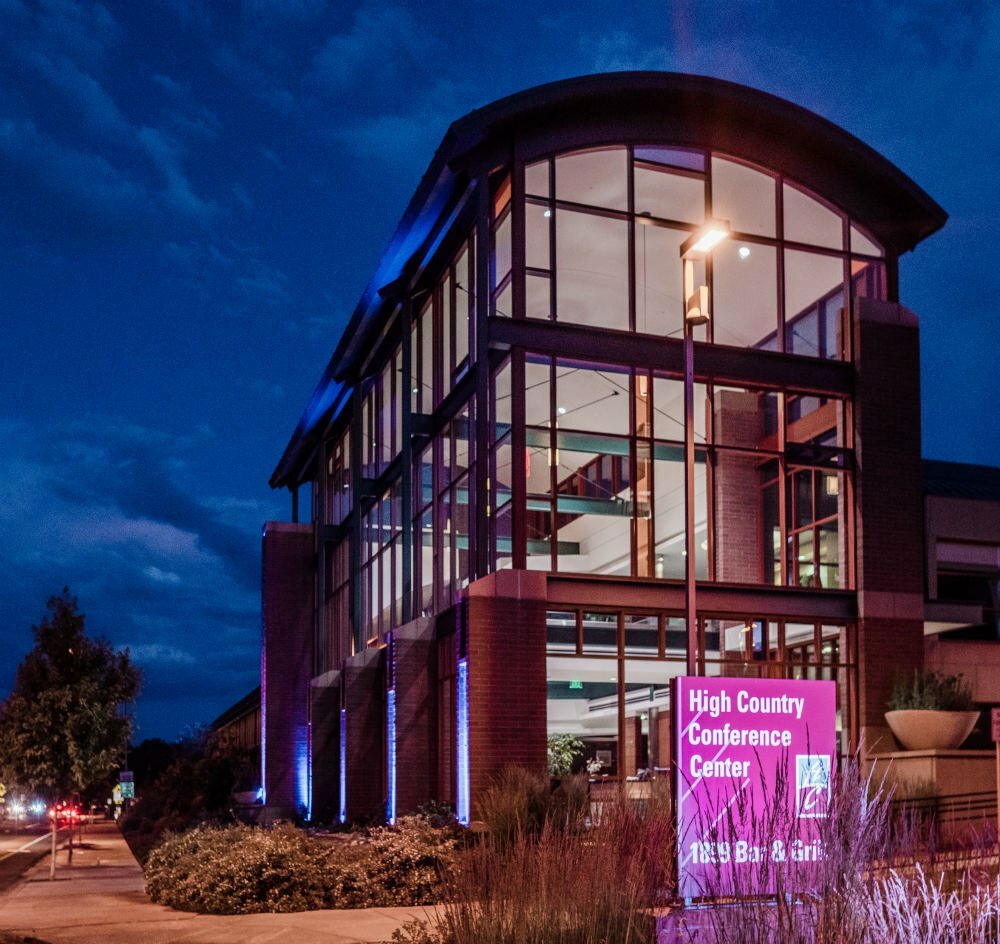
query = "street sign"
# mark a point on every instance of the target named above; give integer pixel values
(128, 790)
(125, 776)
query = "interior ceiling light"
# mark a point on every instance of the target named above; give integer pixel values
(744, 252)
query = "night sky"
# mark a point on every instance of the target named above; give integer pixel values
(193, 196)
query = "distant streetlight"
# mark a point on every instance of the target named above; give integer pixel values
(697, 311)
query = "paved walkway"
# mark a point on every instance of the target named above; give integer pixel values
(100, 899)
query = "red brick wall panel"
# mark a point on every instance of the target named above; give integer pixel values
(506, 639)
(325, 719)
(286, 660)
(363, 680)
(416, 721)
(889, 496)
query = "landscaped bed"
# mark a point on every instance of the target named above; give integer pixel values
(544, 871)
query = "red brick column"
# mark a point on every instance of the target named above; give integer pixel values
(286, 664)
(506, 652)
(415, 674)
(889, 502)
(325, 722)
(363, 683)
(737, 489)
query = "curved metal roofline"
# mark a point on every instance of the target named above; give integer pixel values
(649, 106)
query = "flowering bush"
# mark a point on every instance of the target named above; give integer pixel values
(239, 870)
(404, 864)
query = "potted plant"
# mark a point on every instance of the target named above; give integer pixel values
(564, 749)
(931, 711)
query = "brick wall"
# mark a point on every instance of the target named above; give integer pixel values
(738, 539)
(889, 492)
(506, 651)
(363, 682)
(286, 661)
(416, 714)
(325, 720)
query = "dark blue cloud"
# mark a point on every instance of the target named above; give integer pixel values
(111, 509)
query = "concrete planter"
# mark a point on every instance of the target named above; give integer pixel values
(931, 730)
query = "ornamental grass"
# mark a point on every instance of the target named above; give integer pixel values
(561, 881)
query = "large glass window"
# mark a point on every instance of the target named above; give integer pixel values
(814, 304)
(745, 295)
(608, 679)
(338, 480)
(743, 196)
(597, 178)
(606, 489)
(809, 221)
(578, 235)
(591, 270)
(659, 305)
(667, 194)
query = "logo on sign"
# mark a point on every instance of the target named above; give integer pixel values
(812, 785)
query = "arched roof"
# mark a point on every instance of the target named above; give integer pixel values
(622, 107)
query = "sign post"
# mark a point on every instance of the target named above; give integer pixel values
(754, 764)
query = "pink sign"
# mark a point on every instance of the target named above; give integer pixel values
(754, 760)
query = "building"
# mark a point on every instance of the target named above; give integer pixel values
(536, 496)
(239, 727)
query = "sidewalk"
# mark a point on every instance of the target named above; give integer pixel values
(100, 899)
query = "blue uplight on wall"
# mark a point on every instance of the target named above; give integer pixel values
(263, 724)
(462, 810)
(390, 740)
(343, 765)
(303, 778)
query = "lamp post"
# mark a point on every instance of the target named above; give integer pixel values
(696, 312)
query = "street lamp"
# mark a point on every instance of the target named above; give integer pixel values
(696, 312)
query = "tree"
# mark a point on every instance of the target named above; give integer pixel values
(63, 727)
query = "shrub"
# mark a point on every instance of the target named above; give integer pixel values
(239, 870)
(405, 864)
(931, 691)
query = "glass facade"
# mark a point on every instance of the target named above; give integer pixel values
(457, 454)
(602, 229)
(609, 672)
